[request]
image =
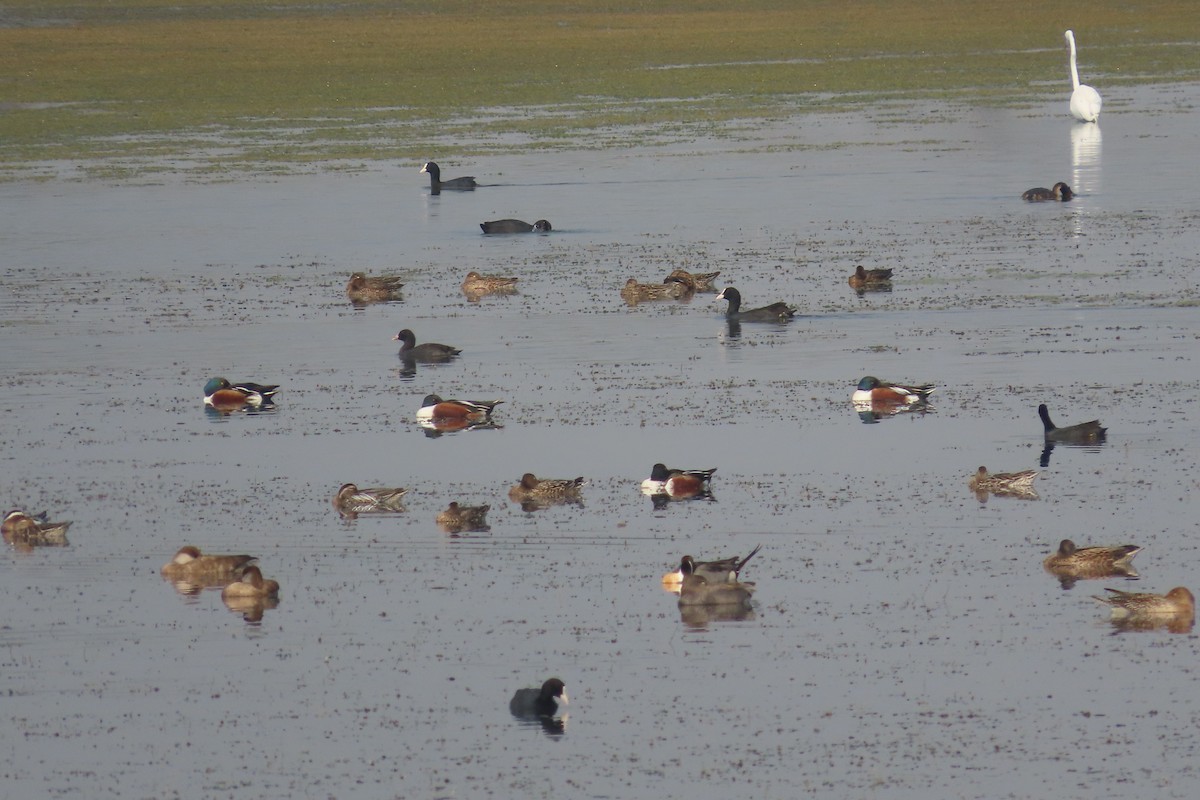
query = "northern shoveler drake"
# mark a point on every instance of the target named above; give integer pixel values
(546, 490)
(677, 482)
(427, 352)
(871, 390)
(693, 281)
(434, 407)
(221, 394)
(191, 565)
(363, 289)
(1060, 191)
(698, 591)
(515, 226)
(1083, 433)
(436, 184)
(1015, 484)
(776, 312)
(543, 702)
(251, 584)
(864, 278)
(352, 500)
(23, 530)
(1178, 602)
(633, 292)
(456, 518)
(478, 284)
(1070, 563)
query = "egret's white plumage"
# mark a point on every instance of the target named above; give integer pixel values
(1085, 101)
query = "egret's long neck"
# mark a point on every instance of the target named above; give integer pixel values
(1074, 71)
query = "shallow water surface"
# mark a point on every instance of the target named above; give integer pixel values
(905, 641)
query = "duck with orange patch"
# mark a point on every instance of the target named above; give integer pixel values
(873, 391)
(677, 483)
(223, 395)
(433, 408)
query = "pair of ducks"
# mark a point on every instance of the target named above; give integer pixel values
(362, 289)
(237, 574)
(1176, 609)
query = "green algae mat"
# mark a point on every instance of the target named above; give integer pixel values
(222, 83)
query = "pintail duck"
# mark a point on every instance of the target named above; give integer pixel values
(871, 390)
(251, 584)
(776, 312)
(25, 531)
(546, 490)
(719, 571)
(436, 184)
(515, 226)
(633, 292)
(427, 352)
(1013, 484)
(864, 278)
(363, 289)
(1071, 563)
(1083, 433)
(693, 281)
(352, 500)
(1178, 602)
(434, 407)
(476, 284)
(190, 565)
(1060, 191)
(456, 518)
(543, 702)
(223, 395)
(677, 483)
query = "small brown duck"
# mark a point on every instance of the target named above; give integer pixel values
(1060, 191)
(24, 531)
(693, 281)
(1178, 602)
(864, 278)
(456, 518)
(251, 584)
(189, 564)
(549, 490)
(378, 289)
(352, 500)
(633, 292)
(1070, 563)
(475, 283)
(1010, 484)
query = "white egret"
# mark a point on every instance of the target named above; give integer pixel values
(1085, 101)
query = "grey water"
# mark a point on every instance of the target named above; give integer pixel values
(905, 643)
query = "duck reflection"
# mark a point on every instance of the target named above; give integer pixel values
(434, 428)
(1044, 459)
(251, 608)
(661, 501)
(699, 617)
(875, 411)
(220, 413)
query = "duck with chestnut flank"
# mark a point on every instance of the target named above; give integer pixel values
(677, 482)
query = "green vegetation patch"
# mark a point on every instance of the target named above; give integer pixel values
(297, 82)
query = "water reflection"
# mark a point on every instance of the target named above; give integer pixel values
(551, 726)
(219, 414)
(434, 428)
(699, 617)
(1091, 447)
(1086, 141)
(251, 608)
(1171, 624)
(875, 411)
(660, 501)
